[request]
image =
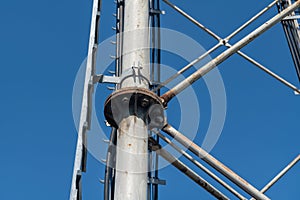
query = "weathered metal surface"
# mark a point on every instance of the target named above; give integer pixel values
(131, 178)
(220, 167)
(139, 102)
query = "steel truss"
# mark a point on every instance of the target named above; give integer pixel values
(287, 16)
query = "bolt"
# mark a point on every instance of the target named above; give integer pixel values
(145, 102)
(125, 100)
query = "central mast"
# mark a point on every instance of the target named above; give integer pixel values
(132, 136)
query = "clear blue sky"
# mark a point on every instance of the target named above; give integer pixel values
(42, 46)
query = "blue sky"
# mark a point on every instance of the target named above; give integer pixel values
(43, 44)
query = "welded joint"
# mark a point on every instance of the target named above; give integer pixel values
(224, 42)
(165, 98)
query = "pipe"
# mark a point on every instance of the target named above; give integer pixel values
(202, 154)
(198, 164)
(187, 171)
(280, 175)
(131, 180)
(229, 52)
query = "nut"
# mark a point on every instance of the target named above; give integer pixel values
(145, 102)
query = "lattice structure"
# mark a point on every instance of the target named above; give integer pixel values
(139, 90)
(291, 28)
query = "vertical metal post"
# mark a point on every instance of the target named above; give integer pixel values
(86, 105)
(132, 137)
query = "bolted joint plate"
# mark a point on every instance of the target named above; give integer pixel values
(139, 102)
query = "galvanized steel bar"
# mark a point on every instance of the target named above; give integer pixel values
(225, 42)
(280, 175)
(198, 164)
(229, 52)
(191, 19)
(202, 154)
(85, 113)
(181, 71)
(221, 41)
(260, 66)
(179, 10)
(251, 20)
(132, 137)
(189, 172)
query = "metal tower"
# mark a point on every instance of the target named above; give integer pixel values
(136, 109)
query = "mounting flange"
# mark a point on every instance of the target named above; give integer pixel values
(134, 101)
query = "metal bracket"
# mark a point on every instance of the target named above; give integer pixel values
(106, 79)
(137, 76)
(156, 181)
(157, 12)
(155, 84)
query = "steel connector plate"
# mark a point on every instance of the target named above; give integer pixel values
(139, 102)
